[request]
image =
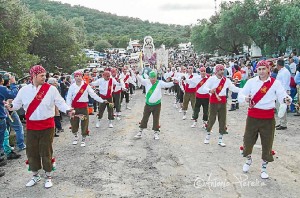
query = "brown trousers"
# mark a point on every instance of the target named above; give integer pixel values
(110, 110)
(187, 97)
(217, 109)
(155, 110)
(84, 123)
(266, 129)
(117, 101)
(39, 149)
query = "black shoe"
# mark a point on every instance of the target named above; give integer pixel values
(56, 135)
(277, 126)
(13, 155)
(297, 114)
(232, 107)
(281, 128)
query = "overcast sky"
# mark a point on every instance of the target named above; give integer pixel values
(182, 12)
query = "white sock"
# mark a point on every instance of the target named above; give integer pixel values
(35, 173)
(48, 174)
(220, 138)
(264, 166)
(208, 135)
(249, 160)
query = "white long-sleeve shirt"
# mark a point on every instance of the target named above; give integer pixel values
(46, 108)
(245, 73)
(213, 82)
(201, 90)
(156, 95)
(284, 76)
(128, 80)
(74, 89)
(268, 101)
(120, 86)
(192, 82)
(103, 85)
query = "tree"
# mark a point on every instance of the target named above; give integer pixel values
(272, 24)
(56, 42)
(101, 45)
(17, 29)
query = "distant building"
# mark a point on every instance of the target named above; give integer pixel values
(255, 51)
(134, 46)
(184, 46)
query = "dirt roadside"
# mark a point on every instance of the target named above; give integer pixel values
(114, 164)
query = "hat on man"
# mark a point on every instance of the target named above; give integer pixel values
(263, 63)
(152, 74)
(77, 73)
(36, 70)
(219, 67)
(202, 69)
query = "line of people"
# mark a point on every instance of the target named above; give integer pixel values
(263, 93)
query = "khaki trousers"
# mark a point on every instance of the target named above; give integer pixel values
(117, 101)
(110, 110)
(266, 129)
(217, 109)
(39, 149)
(155, 110)
(84, 123)
(187, 97)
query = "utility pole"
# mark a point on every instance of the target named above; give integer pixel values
(215, 6)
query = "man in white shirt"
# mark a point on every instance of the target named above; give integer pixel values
(117, 92)
(166, 76)
(78, 98)
(106, 84)
(180, 88)
(261, 93)
(127, 79)
(293, 66)
(244, 71)
(171, 75)
(202, 98)
(217, 85)
(190, 81)
(283, 76)
(153, 102)
(39, 100)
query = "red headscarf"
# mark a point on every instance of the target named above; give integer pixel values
(263, 63)
(219, 67)
(77, 73)
(202, 69)
(36, 70)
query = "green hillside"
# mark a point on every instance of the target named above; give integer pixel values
(115, 29)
